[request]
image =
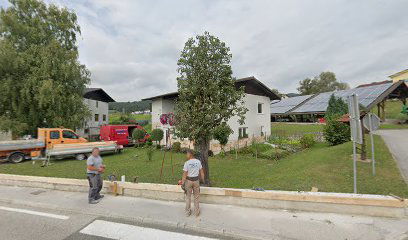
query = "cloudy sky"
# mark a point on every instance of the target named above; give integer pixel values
(131, 47)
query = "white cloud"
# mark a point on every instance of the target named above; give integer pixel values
(132, 47)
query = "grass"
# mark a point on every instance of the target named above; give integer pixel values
(328, 168)
(296, 127)
(393, 126)
(392, 109)
(114, 117)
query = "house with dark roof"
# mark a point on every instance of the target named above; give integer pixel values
(97, 101)
(257, 124)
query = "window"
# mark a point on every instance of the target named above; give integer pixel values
(260, 107)
(96, 117)
(69, 134)
(54, 135)
(242, 132)
(104, 117)
(97, 103)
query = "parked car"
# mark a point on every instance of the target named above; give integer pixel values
(121, 134)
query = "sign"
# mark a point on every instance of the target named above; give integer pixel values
(371, 122)
(355, 123)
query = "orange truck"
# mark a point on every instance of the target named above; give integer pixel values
(55, 143)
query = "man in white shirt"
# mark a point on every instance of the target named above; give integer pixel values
(192, 171)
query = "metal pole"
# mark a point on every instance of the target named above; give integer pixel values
(372, 142)
(355, 166)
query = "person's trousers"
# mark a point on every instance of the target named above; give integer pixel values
(194, 187)
(95, 186)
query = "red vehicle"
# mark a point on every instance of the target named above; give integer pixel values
(121, 134)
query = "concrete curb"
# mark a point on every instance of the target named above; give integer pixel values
(354, 204)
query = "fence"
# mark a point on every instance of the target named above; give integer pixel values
(296, 131)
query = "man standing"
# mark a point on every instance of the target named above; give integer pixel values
(192, 171)
(94, 170)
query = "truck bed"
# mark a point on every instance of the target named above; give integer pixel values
(21, 145)
(76, 148)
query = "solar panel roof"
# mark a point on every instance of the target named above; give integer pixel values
(287, 104)
(366, 95)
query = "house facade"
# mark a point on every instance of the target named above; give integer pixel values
(402, 75)
(97, 101)
(257, 124)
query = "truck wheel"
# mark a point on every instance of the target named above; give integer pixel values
(80, 157)
(16, 157)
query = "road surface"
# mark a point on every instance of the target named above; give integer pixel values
(397, 142)
(30, 213)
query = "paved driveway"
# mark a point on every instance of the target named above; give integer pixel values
(397, 142)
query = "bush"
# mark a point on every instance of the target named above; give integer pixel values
(138, 135)
(176, 147)
(307, 141)
(149, 142)
(222, 133)
(149, 153)
(157, 135)
(336, 132)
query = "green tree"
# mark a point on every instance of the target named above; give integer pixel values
(336, 107)
(222, 133)
(336, 132)
(41, 79)
(207, 93)
(157, 135)
(325, 82)
(138, 135)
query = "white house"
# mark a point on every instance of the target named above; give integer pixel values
(257, 122)
(97, 101)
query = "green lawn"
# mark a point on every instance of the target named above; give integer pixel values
(392, 109)
(328, 168)
(393, 126)
(114, 117)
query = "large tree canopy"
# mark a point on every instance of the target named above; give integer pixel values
(207, 93)
(41, 79)
(325, 82)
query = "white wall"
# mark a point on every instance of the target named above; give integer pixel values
(253, 120)
(5, 136)
(96, 107)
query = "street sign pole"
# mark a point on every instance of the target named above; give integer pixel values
(370, 116)
(355, 166)
(356, 131)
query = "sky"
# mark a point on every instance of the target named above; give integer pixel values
(131, 47)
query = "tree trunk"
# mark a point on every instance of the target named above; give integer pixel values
(204, 146)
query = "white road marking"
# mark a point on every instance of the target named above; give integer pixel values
(43, 214)
(122, 231)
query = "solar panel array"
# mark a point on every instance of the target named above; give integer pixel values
(319, 102)
(287, 104)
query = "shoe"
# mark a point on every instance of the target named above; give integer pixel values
(188, 213)
(100, 197)
(93, 201)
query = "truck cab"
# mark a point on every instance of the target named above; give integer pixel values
(53, 136)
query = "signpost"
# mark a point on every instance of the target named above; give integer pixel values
(372, 123)
(356, 131)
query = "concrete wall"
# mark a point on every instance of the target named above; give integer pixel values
(91, 127)
(344, 203)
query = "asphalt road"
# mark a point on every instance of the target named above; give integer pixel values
(397, 143)
(32, 213)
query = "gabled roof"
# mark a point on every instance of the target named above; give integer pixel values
(251, 84)
(97, 94)
(398, 73)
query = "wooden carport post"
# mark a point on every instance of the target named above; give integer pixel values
(381, 110)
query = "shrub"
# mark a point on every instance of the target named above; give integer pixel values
(138, 135)
(157, 135)
(307, 141)
(149, 153)
(336, 132)
(149, 142)
(221, 134)
(176, 147)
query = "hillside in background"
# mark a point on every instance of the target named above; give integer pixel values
(129, 107)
